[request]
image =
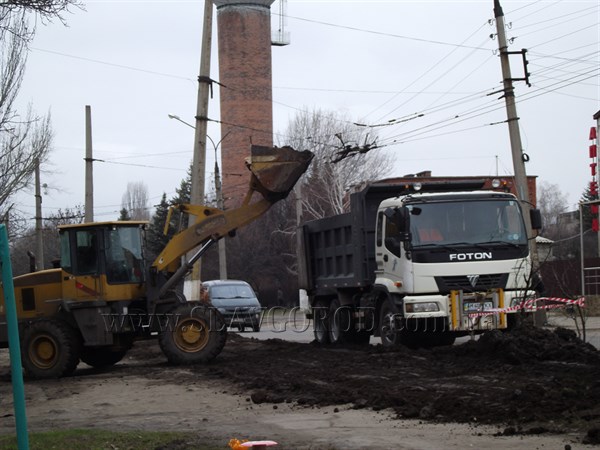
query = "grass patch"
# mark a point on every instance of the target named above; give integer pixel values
(109, 440)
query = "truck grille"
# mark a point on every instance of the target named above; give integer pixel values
(471, 283)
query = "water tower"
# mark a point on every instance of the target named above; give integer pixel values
(244, 41)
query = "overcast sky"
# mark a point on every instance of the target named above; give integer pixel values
(135, 62)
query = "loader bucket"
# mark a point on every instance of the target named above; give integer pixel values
(277, 169)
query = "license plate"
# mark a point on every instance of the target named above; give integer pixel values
(470, 307)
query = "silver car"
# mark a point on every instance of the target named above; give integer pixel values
(237, 303)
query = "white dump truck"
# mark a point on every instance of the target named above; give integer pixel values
(417, 264)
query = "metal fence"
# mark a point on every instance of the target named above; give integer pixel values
(591, 279)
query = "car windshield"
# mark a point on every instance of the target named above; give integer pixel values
(485, 222)
(231, 291)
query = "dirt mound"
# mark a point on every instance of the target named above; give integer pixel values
(525, 344)
(530, 380)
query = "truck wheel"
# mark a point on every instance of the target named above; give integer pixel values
(340, 321)
(197, 334)
(51, 349)
(388, 329)
(321, 324)
(102, 356)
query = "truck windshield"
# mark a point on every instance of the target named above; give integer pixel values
(124, 255)
(487, 221)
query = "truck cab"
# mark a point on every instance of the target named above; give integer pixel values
(454, 255)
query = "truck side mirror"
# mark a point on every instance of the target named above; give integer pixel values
(400, 217)
(536, 219)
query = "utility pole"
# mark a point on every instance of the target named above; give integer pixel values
(513, 126)
(221, 243)
(518, 156)
(89, 167)
(596, 161)
(39, 238)
(199, 160)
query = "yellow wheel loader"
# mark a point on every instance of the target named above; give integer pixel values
(106, 295)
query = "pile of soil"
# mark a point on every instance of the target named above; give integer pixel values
(529, 380)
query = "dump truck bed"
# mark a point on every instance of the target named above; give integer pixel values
(339, 252)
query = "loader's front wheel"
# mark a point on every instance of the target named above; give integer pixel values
(196, 334)
(50, 349)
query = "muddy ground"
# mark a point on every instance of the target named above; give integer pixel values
(527, 383)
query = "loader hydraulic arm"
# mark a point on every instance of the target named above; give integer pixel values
(274, 174)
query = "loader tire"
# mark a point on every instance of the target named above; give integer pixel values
(197, 334)
(102, 356)
(50, 349)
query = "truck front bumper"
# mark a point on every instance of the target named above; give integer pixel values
(464, 311)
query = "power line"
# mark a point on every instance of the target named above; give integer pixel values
(537, 11)
(595, 25)
(363, 91)
(409, 135)
(585, 10)
(380, 33)
(120, 66)
(427, 71)
(141, 165)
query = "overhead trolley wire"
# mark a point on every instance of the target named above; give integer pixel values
(431, 68)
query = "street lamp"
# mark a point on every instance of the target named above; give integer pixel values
(219, 193)
(176, 117)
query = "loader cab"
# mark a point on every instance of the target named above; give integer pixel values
(111, 250)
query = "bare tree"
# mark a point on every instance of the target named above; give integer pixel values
(552, 202)
(46, 10)
(135, 201)
(23, 244)
(23, 140)
(345, 156)
(324, 191)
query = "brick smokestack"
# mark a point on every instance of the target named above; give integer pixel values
(244, 41)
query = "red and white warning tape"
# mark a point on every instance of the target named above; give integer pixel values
(549, 303)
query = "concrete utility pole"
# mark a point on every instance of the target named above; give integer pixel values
(39, 237)
(516, 146)
(221, 243)
(89, 167)
(597, 119)
(199, 160)
(513, 127)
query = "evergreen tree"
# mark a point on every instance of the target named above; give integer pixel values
(587, 196)
(184, 192)
(155, 237)
(183, 195)
(124, 214)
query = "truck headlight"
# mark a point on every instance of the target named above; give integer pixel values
(421, 307)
